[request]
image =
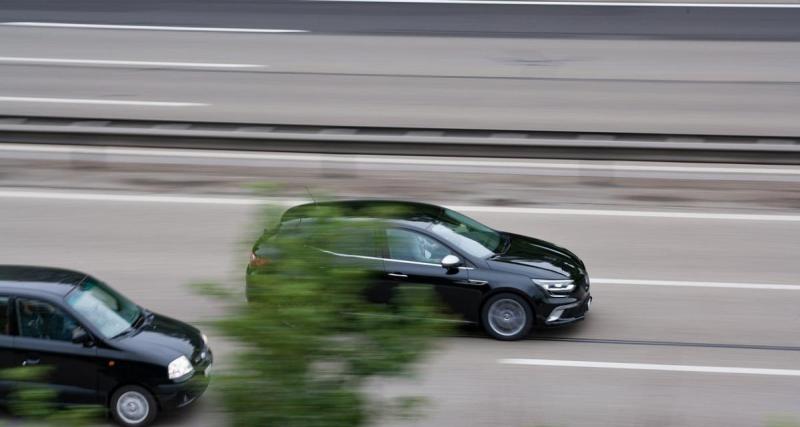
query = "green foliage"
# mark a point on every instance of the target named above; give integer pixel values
(34, 403)
(311, 341)
(783, 422)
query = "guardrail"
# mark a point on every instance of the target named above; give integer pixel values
(400, 141)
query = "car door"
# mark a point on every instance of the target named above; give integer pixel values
(6, 345)
(415, 258)
(44, 338)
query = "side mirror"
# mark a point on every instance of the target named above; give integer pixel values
(451, 261)
(80, 336)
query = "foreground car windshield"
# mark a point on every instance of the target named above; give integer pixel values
(470, 235)
(106, 310)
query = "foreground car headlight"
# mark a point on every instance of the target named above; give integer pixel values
(557, 288)
(179, 368)
(205, 339)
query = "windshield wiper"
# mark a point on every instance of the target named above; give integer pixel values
(139, 321)
(506, 245)
(126, 331)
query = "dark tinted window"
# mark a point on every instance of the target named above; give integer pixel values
(355, 240)
(5, 325)
(407, 245)
(346, 237)
(38, 319)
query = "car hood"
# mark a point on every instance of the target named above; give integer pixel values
(165, 338)
(537, 257)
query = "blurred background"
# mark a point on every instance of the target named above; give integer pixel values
(658, 141)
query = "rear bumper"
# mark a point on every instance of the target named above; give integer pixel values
(568, 313)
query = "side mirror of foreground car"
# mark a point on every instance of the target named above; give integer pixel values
(80, 336)
(451, 261)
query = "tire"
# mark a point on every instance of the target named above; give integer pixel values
(133, 406)
(507, 317)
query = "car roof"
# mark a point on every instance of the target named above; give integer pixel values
(413, 214)
(52, 280)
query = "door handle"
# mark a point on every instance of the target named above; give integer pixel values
(30, 362)
(398, 275)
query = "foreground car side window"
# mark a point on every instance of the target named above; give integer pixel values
(406, 245)
(5, 324)
(38, 319)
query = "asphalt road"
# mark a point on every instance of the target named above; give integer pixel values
(152, 249)
(654, 86)
(480, 20)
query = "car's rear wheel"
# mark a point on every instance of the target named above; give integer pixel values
(507, 317)
(133, 406)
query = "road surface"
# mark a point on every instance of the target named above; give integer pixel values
(655, 315)
(656, 86)
(721, 71)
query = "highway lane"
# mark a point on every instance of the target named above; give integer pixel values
(149, 250)
(479, 20)
(710, 87)
(629, 248)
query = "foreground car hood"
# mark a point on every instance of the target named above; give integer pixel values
(542, 259)
(164, 337)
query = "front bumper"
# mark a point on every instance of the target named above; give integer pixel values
(569, 313)
(177, 395)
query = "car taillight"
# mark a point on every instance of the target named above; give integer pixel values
(257, 261)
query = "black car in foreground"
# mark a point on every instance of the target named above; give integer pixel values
(100, 348)
(506, 282)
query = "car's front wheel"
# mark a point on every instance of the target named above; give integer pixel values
(133, 406)
(507, 317)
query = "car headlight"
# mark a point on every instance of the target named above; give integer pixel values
(558, 288)
(179, 368)
(205, 339)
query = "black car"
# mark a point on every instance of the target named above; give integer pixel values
(101, 348)
(506, 282)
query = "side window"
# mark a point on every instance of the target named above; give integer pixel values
(354, 240)
(5, 325)
(358, 241)
(408, 245)
(38, 319)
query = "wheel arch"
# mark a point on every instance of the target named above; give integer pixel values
(121, 384)
(504, 290)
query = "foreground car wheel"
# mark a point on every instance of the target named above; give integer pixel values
(507, 317)
(133, 406)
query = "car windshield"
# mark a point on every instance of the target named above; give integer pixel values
(468, 234)
(108, 311)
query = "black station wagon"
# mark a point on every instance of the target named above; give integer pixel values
(101, 349)
(506, 282)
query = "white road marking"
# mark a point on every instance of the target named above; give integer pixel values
(394, 160)
(118, 197)
(579, 3)
(652, 367)
(148, 27)
(66, 61)
(140, 198)
(625, 213)
(98, 101)
(637, 282)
